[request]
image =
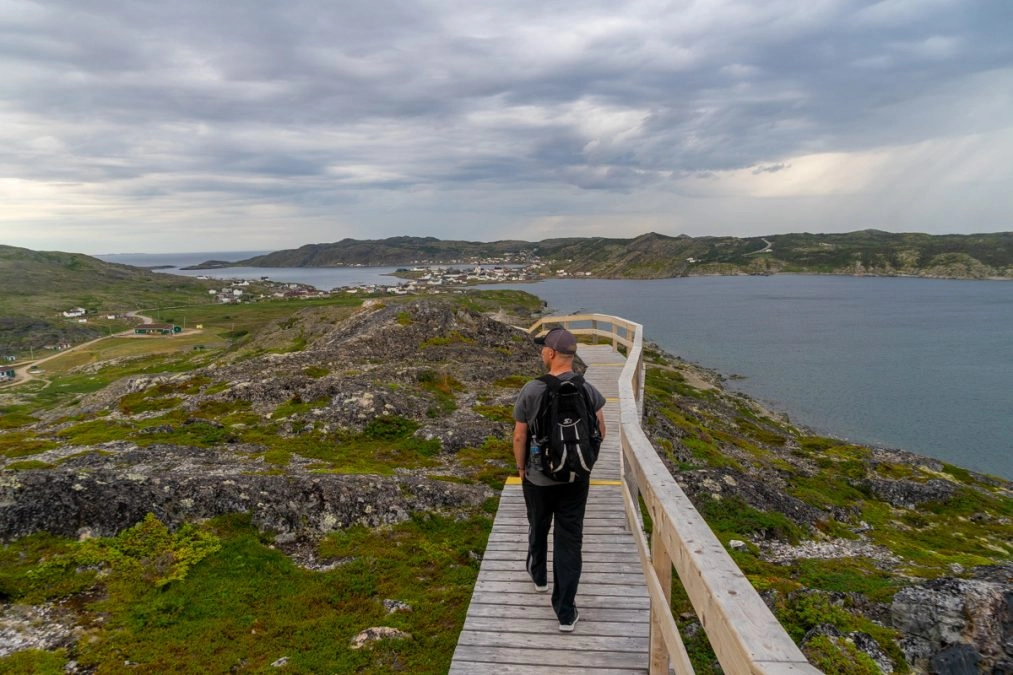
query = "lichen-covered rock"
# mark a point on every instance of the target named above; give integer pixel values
(35, 627)
(377, 633)
(109, 492)
(909, 494)
(955, 621)
(758, 492)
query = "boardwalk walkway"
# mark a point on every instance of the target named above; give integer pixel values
(511, 629)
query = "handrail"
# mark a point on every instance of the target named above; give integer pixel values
(742, 630)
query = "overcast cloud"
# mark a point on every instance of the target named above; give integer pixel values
(247, 124)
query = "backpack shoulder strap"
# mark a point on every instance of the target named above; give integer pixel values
(551, 382)
(541, 419)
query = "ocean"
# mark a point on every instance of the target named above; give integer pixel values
(324, 278)
(924, 365)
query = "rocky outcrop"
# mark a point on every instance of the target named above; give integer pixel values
(955, 626)
(909, 494)
(102, 493)
(761, 494)
(421, 362)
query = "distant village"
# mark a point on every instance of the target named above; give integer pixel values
(416, 279)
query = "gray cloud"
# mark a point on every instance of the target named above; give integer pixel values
(380, 117)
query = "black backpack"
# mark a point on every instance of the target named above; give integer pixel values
(568, 429)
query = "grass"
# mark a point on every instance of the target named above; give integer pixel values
(442, 386)
(23, 444)
(240, 604)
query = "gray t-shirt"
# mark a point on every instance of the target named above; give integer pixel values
(526, 410)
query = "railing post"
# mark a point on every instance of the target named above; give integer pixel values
(663, 569)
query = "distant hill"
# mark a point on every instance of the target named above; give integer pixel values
(654, 256)
(38, 285)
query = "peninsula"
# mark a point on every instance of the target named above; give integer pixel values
(656, 256)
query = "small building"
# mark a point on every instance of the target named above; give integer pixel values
(157, 329)
(6, 373)
(74, 312)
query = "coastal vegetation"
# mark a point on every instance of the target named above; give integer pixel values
(374, 435)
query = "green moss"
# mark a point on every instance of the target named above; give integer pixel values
(28, 465)
(23, 444)
(960, 474)
(847, 575)
(442, 386)
(297, 406)
(453, 337)
(709, 453)
(733, 518)
(941, 534)
(217, 409)
(245, 605)
(316, 372)
(35, 661)
(839, 657)
(12, 418)
(389, 427)
(760, 434)
(499, 413)
(512, 381)
(491, 463)
(147, 401)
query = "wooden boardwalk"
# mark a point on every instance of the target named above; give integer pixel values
(511, 629)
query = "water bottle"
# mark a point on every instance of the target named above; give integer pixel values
(536, 457)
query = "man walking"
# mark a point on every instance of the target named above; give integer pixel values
(545, 499)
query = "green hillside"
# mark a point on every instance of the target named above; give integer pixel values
(655, 256)
(39, 285)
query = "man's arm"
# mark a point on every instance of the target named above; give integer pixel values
(601, 421)
(520, 446)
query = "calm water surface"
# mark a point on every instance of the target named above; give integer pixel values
(324, 278)
(920, 364)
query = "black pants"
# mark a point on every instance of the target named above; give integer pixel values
(565, 504)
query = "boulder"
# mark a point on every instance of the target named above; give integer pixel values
(952, 624)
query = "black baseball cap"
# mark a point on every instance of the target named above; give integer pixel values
(559, 339)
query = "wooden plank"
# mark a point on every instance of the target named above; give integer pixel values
(602, 590)
(550, 641)
(527, 597)
(593, 572)
(544, 611)
(590, 567)
(550, 659)
(475, 668)
(550, 625)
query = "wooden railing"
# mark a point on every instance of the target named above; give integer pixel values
(742, 631)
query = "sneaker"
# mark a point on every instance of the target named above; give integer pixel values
(542, 588)
(568, 627)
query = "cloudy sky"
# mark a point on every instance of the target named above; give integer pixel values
(223, 125)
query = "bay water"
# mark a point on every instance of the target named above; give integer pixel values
(924, 365)
(323, 278)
